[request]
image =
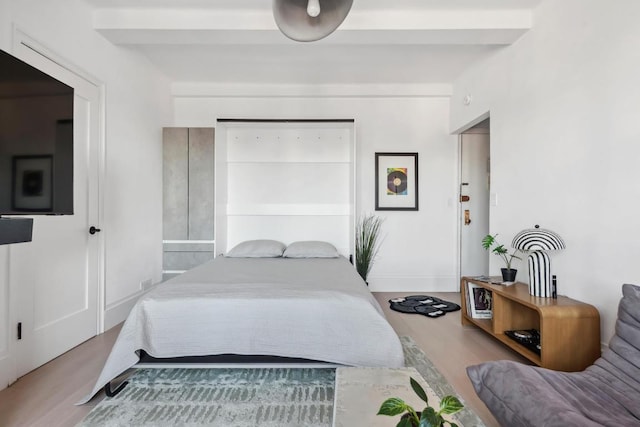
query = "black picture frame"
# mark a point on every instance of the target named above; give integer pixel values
(32, 186)
(396, 182)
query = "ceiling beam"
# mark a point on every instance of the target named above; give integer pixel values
(374, 27)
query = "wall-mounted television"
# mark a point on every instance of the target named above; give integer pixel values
(36, 141)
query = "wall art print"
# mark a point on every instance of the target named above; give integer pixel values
(396, 181)
(32, 183)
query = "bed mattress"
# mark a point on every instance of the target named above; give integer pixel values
(311, 308)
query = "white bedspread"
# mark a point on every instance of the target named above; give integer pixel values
(315, 309)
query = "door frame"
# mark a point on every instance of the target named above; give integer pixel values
(21, 41)
(458, 132)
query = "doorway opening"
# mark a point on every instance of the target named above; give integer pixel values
(474, 194)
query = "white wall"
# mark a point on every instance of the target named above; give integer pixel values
(564, 142)
(137, 106)
(419, 248)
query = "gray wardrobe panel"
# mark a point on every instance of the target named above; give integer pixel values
(201, 166)
(184, 260)
(175, 183)
(188, 247)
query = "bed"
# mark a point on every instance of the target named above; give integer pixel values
(311, 308)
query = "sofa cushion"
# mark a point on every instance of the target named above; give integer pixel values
(606, 393)
(621, 360)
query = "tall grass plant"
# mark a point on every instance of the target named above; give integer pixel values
(368, 242)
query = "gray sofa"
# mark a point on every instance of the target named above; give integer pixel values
(605, 394)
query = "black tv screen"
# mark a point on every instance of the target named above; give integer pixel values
(36, 141)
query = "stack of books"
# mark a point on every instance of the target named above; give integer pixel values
(494, 280)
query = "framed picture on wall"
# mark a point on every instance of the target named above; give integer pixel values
(396, 181)
(33, 183)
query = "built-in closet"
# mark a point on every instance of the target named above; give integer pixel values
(287, 180)
(188, 198)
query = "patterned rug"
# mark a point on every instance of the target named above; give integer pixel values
(269, 397)
(415, 357)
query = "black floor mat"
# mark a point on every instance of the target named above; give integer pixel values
(423, 304)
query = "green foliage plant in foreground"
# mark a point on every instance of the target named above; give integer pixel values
(428, 417)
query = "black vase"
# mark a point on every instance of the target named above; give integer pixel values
(509, 274)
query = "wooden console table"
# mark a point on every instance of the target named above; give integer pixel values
(569, 329)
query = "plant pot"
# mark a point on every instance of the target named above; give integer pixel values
(509, 274)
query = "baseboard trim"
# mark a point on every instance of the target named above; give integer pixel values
(7, 371)
(117, 312)
(414, 284)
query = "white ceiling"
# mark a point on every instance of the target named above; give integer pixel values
(380, 42)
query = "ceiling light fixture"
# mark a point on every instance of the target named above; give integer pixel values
(313, 8)
(308, 20)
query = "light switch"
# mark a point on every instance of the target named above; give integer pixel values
(493, 199)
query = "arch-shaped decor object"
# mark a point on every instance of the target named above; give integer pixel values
(537, 240)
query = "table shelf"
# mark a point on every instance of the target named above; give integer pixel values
(569, 329)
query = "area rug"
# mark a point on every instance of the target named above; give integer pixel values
(415, 357)
(270, 397)
(423, 304)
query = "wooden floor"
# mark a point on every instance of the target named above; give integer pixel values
(46, 396)
(450, 346)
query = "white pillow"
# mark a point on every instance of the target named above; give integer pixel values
(311, 249)
(257, 249)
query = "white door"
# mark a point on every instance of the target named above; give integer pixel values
(54, 279)
(474, 202)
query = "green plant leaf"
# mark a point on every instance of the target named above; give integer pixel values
(500, 249)
(451, 424)
(405, 422)
(429, 418)
(393, 406)
(450, 405)
(488, 240)
(419, 390)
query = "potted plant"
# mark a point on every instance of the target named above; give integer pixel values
(367, 243)
(428, 417)
(490, 243)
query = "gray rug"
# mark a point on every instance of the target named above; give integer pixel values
(269, 397)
